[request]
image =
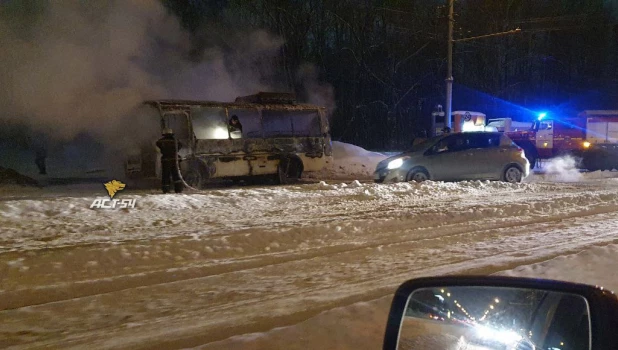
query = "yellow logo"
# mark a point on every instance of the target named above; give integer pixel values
(114, 187)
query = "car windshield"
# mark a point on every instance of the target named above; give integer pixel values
(425, 144)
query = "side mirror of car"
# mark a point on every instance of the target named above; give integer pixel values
(495, 312)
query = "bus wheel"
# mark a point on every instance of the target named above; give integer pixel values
(289, 170)
(193, 177)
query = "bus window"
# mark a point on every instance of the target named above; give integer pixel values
(178, 122)
(209, 123)
(279, 123)
(306, 123)
(249, 119)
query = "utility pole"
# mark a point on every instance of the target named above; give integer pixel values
(449, 73)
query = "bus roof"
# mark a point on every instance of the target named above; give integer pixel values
(260, 100)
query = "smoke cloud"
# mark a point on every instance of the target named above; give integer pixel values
(70, 67)
(74, 75)
(563, 169)
(315, 91)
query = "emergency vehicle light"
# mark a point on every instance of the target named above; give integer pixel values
(542, 115)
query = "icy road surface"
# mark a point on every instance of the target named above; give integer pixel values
(184, 270)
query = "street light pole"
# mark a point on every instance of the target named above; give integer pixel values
(449, 73)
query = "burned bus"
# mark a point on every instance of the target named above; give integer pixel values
(280, 139)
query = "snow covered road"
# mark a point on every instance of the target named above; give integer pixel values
(179, 271)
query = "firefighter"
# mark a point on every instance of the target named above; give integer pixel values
(234, 124)
(169, 161)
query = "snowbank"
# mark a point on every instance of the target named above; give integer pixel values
(11, 177)
(25, 219)
(569, 175)
(350, 162)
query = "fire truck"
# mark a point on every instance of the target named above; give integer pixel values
(592, 135)
(462, 121)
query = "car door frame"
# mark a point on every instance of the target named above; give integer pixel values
(487, 157)
(439, 164)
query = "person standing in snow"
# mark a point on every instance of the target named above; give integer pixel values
(169, 162)
(39, 159)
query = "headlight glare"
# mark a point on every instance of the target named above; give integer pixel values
(395, 163)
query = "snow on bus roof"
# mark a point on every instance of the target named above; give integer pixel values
(274, 100)
(177, 103)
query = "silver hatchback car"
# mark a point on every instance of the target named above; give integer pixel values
(458, 156)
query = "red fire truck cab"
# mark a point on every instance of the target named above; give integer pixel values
(592, 136)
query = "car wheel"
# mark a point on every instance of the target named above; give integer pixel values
(513, 174)
(418, 175)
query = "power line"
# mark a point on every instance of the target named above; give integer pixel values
(514, 31)
(558, 18)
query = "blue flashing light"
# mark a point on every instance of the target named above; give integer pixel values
(542, 115)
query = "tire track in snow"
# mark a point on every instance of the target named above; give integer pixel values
(393, 234)
(367, 259)
(205, 320)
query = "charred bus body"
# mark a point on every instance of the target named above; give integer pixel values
(280, 138)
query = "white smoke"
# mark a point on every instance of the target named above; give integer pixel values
(72, 67)
(315, 91)
(563, 169)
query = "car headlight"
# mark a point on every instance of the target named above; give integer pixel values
(395, 163)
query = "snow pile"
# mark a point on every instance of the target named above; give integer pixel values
(420, 190)
(600, 174)
(25, 220)
(12, 177)
(563, 172)
(350, 162)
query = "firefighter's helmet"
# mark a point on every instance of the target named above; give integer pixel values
(167, 131)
